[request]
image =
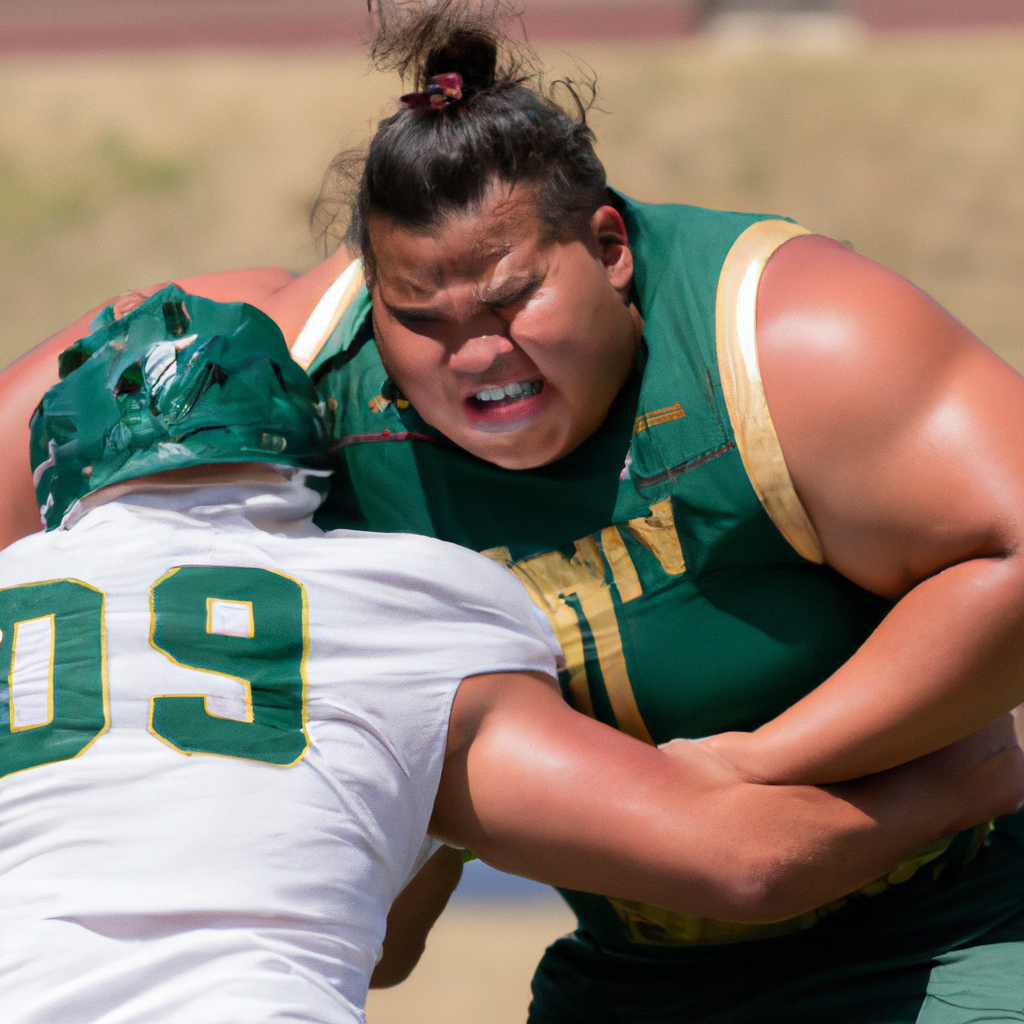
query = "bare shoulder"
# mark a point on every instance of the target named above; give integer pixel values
(896, 423)
(292, 303)
(252, 285)
(827, 316)
(287, 298)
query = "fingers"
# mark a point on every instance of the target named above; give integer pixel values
(127, 301)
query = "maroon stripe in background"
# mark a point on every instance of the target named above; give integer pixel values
(62, 26)
(890, 15)
(52, 26)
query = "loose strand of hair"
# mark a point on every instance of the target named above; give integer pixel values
(410, 32)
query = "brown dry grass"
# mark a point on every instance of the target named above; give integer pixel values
(123, 170)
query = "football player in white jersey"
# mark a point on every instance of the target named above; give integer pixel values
(230, 740)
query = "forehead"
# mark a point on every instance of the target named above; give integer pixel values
(504, 228)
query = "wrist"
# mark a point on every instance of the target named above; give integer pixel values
(744, 753)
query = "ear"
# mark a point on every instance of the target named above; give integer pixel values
(611, 245)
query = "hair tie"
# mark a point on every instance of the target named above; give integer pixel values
(441, 91)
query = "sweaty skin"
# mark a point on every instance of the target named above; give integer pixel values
(902, 435)
(490, 300)
(897, 425)
(538, 789)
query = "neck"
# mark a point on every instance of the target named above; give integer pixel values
(194, 476)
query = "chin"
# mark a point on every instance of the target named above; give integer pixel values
(516, 462)
(517, 456)
(510, 445)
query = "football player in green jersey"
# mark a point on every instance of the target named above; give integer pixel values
(763, 488)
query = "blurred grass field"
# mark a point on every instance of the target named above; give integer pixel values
(126, 169)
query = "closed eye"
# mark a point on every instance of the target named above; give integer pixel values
(411, 316)
(517, 297)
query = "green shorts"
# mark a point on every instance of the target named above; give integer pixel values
(921, 953)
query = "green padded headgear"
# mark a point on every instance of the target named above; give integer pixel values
(179, 381)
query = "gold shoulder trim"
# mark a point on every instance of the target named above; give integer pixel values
(740, 372)
(329, 310)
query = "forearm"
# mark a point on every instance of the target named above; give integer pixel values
(549, 794)
(945, 662)
(413, 914)
(710, 846)
(903, 809)
(21, 387)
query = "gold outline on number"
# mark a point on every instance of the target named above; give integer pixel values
(104, 688)
(248, 685)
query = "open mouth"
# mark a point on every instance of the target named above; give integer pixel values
(494, 398)
(508, 407)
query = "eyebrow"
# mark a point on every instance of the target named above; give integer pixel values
(504, 295)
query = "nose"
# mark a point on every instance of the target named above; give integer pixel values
(478, 354)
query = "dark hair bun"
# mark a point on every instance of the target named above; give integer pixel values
(421, 40)
(473, 54)
(430, 160)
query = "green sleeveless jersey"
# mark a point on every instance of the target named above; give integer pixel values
(682, 609)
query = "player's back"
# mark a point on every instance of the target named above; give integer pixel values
(223, 748)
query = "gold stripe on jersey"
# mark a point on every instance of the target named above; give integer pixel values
(740, 372)
(599, 610)
(327, 313)
(550, 578)
(656, 416)
(657, 533)
(545, 578)
(627, 582)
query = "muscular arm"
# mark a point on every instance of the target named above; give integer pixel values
(288, 300)
(902, 434)
(534, 788)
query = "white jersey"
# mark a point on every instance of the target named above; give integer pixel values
(223, 742)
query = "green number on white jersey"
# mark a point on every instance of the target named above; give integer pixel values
(249, 625)
(53, 658)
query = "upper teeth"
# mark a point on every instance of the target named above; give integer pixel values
(524, 390)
